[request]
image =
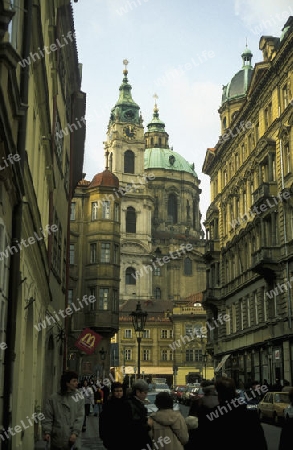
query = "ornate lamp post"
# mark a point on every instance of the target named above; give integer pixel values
(139, 318)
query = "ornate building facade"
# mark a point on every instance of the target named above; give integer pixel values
(249, 221)
(41, 152)
(161, 237)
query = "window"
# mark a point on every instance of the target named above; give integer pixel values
(268, 115)
(116, 212)
(157, 293)
(164, 355)
(146, 355)
(241, 315)
(72, 211)
(130, 276)
(164, 334)
(129, 161)
(170, 355)
(128, 334)
(234, 319)
(225, 177)
(172, 208)
(71, 254)
(146, 334)
(285, 96)
(187, 266)
(130, 220)
(287, 159)
(70, 296)
(93, 253)
(94, 210)
(128, 355)
(157, 272)
(248, 311)
(115, 300)
(103, 298)
(228, 323)
(193, 355)
(93, 292)
(116, 254)
(170, 334)
(59, 139)
(265, 308)
(255, 303)
(106, 210)
(105, 252)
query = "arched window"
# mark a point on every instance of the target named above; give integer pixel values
(129, 161)
(130, 276)
(187, 266)
(172, 208)
(157, 293)
(130, 220)
(152, 141)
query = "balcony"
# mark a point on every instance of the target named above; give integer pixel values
(211, 295)
(212, 249)
(101, 321)
(265, 262)
(264, 193)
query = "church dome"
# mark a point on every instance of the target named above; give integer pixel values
(165, 158)
(105, 179)
(239, 84)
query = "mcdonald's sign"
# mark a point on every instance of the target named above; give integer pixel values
(87, 341)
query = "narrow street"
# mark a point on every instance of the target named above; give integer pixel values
(90, 438)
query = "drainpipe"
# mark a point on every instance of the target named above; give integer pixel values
(14, 287)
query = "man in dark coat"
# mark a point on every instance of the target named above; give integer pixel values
(140, 428)
(115, 420)
(230, 425)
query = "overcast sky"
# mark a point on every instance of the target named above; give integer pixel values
(182, 50)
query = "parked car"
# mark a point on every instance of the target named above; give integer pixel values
(178, 392)
(162, 387)
(185, 398)
(150, 403)
(272, 406)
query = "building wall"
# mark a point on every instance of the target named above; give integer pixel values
(249, 225)
(37, 195)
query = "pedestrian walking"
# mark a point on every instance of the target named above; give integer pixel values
(115, 420)
(88, 394)
(98, 400)
(192, 426)
(64, 415)
(168, 426)
(230, 425)
(139, 436)
(285, 442)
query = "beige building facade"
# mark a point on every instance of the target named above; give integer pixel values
(249, 221)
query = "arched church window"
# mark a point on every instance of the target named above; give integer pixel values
(187, 266)
(172, 208)
(129, 161)
(130, 220)
(130, 276)
(157, 293)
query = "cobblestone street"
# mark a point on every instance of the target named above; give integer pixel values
(90, 438)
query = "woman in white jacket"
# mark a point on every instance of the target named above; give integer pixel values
(167, 426)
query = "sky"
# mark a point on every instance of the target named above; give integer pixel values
(183, 51)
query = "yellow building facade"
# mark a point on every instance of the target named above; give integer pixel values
(249, 221)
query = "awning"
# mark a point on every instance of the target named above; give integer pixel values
(221, 363)
(149, 370)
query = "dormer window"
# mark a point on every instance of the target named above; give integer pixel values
(172, 160)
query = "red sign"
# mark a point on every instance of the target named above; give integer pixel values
(87, 341)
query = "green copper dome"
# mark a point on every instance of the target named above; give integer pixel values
(239, 84)
(165, 158)
(125, 109)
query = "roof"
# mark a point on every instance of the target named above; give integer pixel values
(165, 158)
(106, 179)
(239, 84)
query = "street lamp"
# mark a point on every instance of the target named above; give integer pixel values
(139, 318)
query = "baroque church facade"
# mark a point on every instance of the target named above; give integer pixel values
(161, 244)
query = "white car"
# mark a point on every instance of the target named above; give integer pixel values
(150, 403)
(162, 387)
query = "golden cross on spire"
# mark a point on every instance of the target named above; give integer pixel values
(125, 62)
(155, 96)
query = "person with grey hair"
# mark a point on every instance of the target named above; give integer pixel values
(168, 426)
(139, 438)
